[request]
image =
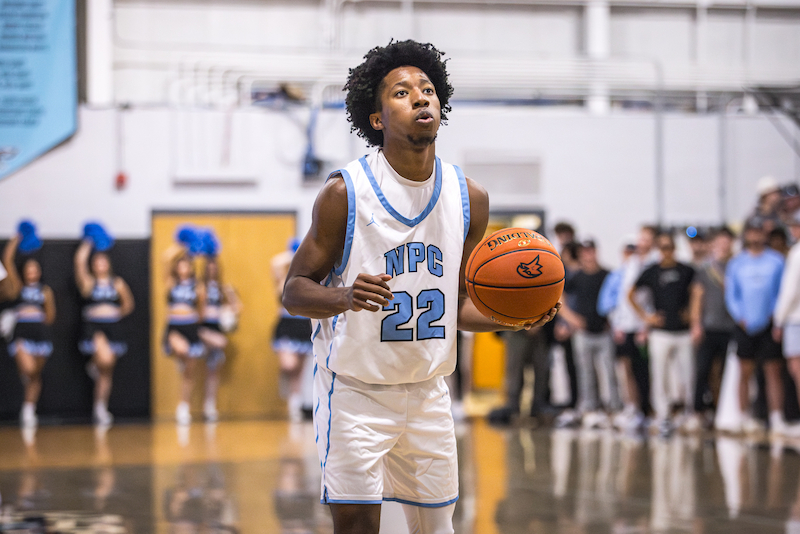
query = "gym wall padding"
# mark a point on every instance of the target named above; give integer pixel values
(67, 390)
(249, 377)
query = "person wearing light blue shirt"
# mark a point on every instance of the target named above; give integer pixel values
(752, 282)
(751, 290)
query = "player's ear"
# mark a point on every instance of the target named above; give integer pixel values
(375, 121)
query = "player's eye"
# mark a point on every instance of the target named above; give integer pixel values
(401, 93)
(428, 90)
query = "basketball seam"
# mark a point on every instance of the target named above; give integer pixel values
(515, 287)
(503, 314)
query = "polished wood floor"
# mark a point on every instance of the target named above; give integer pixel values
(263, 477)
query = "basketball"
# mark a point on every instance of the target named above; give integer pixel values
(514, 276)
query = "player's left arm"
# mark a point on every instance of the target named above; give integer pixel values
(469, 318)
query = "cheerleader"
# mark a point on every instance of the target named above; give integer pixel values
(291, 340)
(108, 300)
(182, 340)
(218, 297)
(31, 342)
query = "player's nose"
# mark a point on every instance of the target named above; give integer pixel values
(420, 99)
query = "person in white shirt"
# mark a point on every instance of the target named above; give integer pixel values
(630, 334)
(787, 309)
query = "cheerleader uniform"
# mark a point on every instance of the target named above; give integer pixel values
(184, 293)
(31, 333)
(103, 294)
(211, 313)
(292, 334)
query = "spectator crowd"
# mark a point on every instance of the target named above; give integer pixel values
(645, 344)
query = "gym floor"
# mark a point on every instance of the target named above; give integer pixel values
(263, 477)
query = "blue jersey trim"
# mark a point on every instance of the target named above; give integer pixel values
(337, 501)
(330, 418)
(316, 332)
(421, 504)
(462, 184)
(437, 189)
(351, 221)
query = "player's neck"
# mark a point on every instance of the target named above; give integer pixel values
(414, 164)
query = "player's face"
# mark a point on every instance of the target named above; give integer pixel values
(410, 110)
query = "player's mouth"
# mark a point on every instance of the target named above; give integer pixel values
(424, 117)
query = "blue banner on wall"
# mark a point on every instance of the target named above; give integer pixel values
(38, 79)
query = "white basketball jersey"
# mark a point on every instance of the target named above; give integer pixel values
(414, 337)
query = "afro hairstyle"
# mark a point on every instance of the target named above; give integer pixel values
(363, 84)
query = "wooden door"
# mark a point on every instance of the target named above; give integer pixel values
(249, 377)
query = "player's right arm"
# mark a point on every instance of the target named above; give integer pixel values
(317, 255)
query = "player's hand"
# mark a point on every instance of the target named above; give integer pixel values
(368, 289)
(549, 316)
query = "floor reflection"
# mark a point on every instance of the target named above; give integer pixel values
(256, 477)
(596, 481)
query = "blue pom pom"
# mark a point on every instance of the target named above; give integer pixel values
(92, 229)
(29, 243)
(691, 232)
(186, 235)
(26, 227)
(101, 239)
(210, 242)
(103, 242)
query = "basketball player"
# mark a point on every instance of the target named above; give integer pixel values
(381, 271)
(32, 342)
(109, 299)
(182, 340)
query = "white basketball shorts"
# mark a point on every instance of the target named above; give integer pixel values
(385, 442)
(791, 340)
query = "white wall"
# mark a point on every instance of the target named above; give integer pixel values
(596, 171)
(158, 47)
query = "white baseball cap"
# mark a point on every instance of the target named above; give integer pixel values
(766, 185)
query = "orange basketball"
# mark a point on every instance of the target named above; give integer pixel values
(515, 276)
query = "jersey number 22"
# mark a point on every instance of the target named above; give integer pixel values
(430, 300)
